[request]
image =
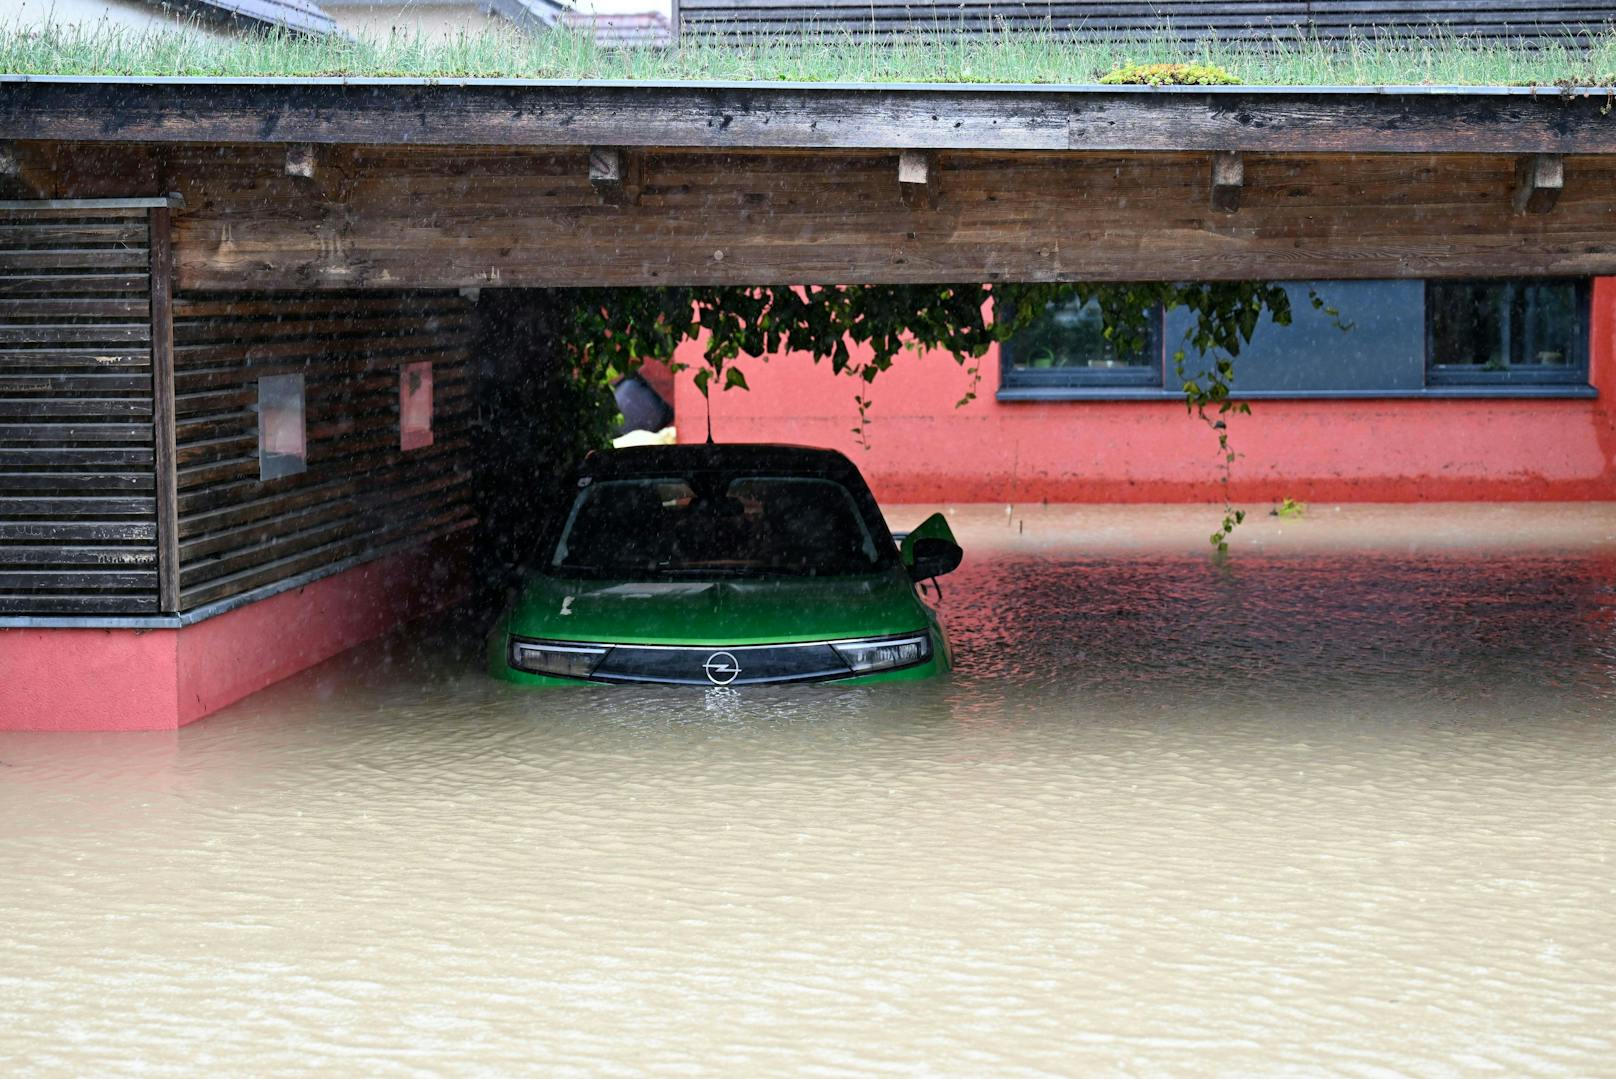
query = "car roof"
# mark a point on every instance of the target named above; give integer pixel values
(743, 456)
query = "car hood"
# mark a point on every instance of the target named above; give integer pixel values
(717, 612)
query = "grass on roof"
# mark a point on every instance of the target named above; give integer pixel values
(1003, 57)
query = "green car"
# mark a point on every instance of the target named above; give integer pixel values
(725, 565)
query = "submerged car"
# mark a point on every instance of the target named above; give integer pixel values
(725, 565)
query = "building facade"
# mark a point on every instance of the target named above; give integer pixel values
(247, 401)
(1415, 390)
(203, 18)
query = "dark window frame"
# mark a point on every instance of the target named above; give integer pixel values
(1055, 380)
(1574, 373)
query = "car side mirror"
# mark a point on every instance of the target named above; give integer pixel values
(930, 551)
(934, 557)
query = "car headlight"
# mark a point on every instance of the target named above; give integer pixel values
(545, 657)
(885, 654)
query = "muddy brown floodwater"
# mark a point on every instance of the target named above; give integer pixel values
(1342, 805)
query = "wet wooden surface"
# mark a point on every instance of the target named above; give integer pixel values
(433, 218)
(743, 116)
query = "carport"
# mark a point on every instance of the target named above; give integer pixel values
(174, 244)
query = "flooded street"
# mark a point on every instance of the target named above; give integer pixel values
(1343, 804)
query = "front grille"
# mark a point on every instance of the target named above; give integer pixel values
(705, 666)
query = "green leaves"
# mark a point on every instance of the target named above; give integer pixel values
(615, 330)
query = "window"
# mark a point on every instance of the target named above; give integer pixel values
(1375, 345)
(1067, 349)
(282, 438)
(1491, 332)
(415, 406)
(1393, 338)
(716, 524)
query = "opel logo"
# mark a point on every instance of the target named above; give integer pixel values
(721, 668)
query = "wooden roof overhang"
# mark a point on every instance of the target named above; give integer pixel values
(395, 183)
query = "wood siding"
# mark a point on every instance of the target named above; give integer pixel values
(78, 528)
(432, 218)
(437, 219)
(1190, 20)
(360, 494)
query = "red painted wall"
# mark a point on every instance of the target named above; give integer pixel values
(141, 680)
(222, 660)
(87, 679)
(923, 449)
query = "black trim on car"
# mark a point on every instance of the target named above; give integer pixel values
(710, 665)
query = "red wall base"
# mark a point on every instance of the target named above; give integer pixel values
(160, 679)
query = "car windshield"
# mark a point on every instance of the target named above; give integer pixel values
(718, 525)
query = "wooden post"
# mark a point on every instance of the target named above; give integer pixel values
(614, 174)
(916, 178)
(1228, 177)
(328, 169)
(1539, 179)
(301, 161)
(162, 359)
(10, 165)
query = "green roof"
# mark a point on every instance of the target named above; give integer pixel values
(1008, 57)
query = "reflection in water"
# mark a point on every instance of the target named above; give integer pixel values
(1351, 812)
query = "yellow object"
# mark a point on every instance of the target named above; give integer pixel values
(1170, 75)
(665, 437)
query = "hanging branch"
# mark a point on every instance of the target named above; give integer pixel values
(613, 331)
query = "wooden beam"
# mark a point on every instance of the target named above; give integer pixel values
(917, 180)
(1501, 120)
(608, 173)
(1228, 177)
(1539, 180)
(162, 354)
(533, 219)
(24, 173)
(300, 161)
(326, 170)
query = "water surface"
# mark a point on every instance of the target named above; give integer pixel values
(1344, 812)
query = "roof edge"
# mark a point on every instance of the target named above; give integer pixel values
(765, 86)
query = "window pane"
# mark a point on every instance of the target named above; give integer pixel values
(1067, 346)
(1468, 324)
(1549, 323)
(1490, 331)
(715, 525)
(282, 439)
(1374, 342)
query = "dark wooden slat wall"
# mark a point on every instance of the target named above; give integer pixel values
(360, 493)
(1191, 20)
(77, 504)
